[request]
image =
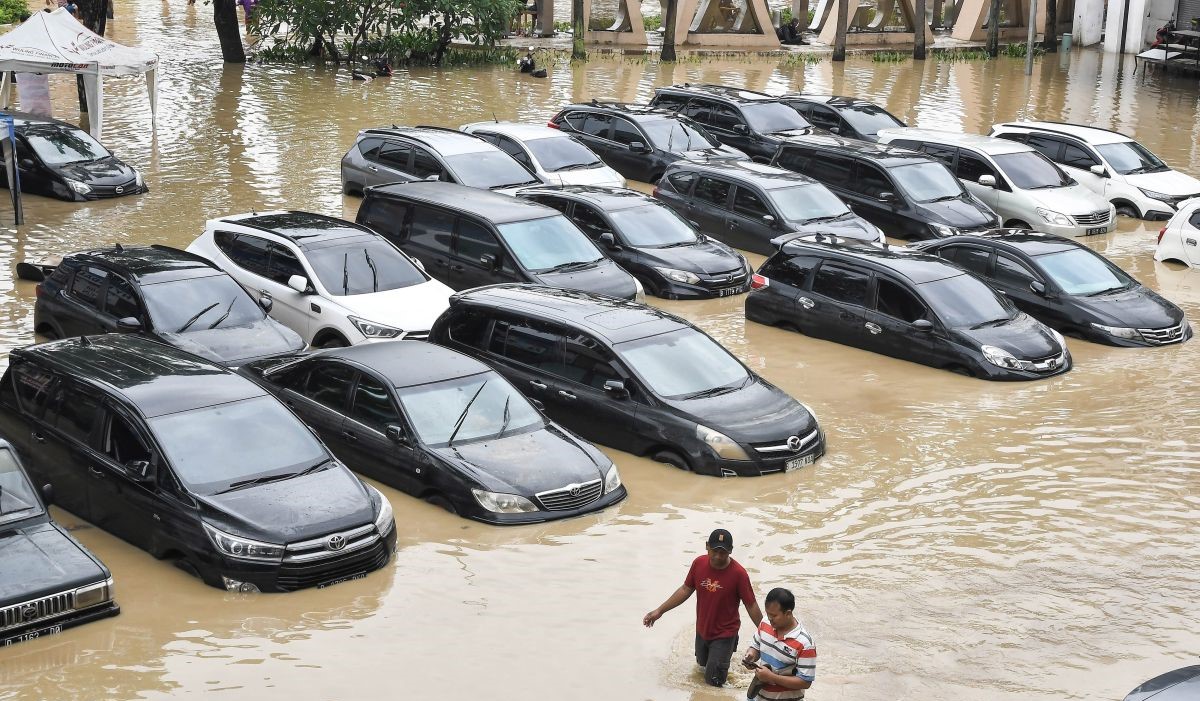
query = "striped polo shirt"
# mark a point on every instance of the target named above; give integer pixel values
(792, 654)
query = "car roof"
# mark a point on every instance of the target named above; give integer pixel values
(987, 144)
(492, 206)
(915, 266)
(407, 363)
(633, 111)
(446, 141)
(727, 92)
(607, 198)
(612, 319)
(765, 176)
(155, 378)
(148, 264)
(302, 228)
(1032, 243)
(831, 100)
(1092, 135)
(23, 120)
(883, 153)
(518, 131)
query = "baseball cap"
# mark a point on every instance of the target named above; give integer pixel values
(722, 539)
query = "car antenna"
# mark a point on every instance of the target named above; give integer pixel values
(83, 341)
(118, 248)
(497, 121)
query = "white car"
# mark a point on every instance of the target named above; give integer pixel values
(1179, 240)
(1110, 163)
(334, 282)
(552, 155)
(1020, 184)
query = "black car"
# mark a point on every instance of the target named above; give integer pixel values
(61, 160)
(908, 305)
(192, 463)
(445, 428)
(639, 142)
(1067, 285)
(651, 241)
(905, 193)
(1181, 684)
(747, 204)
(467, 238)
(750, 121)
(164, 293)
(49, 582)
(844, 116)
(633, 377)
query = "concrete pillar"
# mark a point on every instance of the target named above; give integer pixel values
(1088, 25)
(1113, 21)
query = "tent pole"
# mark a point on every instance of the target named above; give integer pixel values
(10, 168)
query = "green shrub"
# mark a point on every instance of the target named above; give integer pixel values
(962, 55)
(1019, 50)
(888, 57)
(651, 23)
(13, 11)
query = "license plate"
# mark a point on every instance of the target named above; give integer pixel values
(1097, 230)
(728, 291)
(797, 463)
(33, 635)
(351, 578)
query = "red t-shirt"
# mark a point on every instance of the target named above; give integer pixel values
(717, 596)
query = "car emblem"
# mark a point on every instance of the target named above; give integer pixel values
(29, 612)
(335, 542)
(119, 189)
(574, 490)
(793, 442)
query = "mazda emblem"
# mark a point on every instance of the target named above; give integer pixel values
(119, 189)
(335, 542)
(793, 443)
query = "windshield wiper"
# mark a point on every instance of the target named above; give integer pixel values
(463, 416)
(346, 273)
(946, 198)
(225, 315)
(815, 220)
(568, 267)
(710, 392)
(576, 166)
(1119, 288)
(242, 484)
(992, 322)
(318, 466)
(504, 423)
(374, 272)
(199, 314)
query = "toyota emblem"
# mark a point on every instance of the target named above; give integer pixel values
(574, 490)
(119, 189)
(793, 443)
(29, 612)
(335, 542)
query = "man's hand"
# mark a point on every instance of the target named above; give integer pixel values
(649, 619)
(765, 675)
(751, 658)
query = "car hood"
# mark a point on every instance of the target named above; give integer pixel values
(1024, 337)
(851, 227)
(707, 256)
(1071, 200)
(757, 413)
(106, 171)
(410, 308)
(1135, 308)
(962, 213)
(606, 278)
(1170, 182)
(233, 344)
(40, 560)
(525, 463)
(296, 509)
(602, 175)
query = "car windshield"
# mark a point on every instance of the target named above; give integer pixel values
(652, 225)
(1030, 170)
(17, 498)
(558, 153)
(363, 267)
(708, 366)
(489, 170)
(805, 203)
(1131, 158)
(676, 136)
(1082, 271)
(468, 408)
(927, 182)
(767, 117)
(199, 303)
(258, 438)
(548, 244)
(964, 301)
(869, 119)
(59, 146)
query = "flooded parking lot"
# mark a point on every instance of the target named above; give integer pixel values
(960, 540)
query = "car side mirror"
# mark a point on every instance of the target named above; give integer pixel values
(26, 163)
(298, 283)
(489, 261)
(741, 129)
(768, 219)
(835, 130)
(695, 224)
(266, 303)
(617, 389)
(987, 180)
(431, 178)
(639, 147)
(537, 404)
(1099, 170)
(129, 324)
(139, 470)
(48, 493)
(610, 241)
(887, 197)
(1037, 287)
(395, 433)
(923, 325)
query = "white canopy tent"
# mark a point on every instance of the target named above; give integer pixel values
(55, 42)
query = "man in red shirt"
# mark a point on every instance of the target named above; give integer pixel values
(719, 582)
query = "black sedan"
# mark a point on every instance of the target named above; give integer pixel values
(59, 160)
(651, 241)
(844, 116)
(444, 428)
(1068, 286)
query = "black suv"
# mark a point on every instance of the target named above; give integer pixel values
(844, 116)
(192, 463)
(167, 294)
(633, 377)
(747, 204)
(904, 304)
(639, 142)
(751, 121)
(61, 160)
(651, 241)
(905, 193)
(466, 238)
(49, 582)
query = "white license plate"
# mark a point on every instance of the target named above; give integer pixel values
(360, 575)
(33, 635)
(797, 463)
(1097, 230)
(728, 291)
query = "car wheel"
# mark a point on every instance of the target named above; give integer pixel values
(1017, 224)
(441, 502)
(960, 370)
(1125, 210)
(333, 342)
(352, 189)
(670, 457)
(49, 334)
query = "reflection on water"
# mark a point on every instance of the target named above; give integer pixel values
(961, 540)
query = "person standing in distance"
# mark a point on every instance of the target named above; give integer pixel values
(783, 654)
(719, 583)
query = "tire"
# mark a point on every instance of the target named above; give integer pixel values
(1017, 224)
(441, 502)
(49, 334)
(333, 341)
(670, 457)
(352, 189)
(1127, 210)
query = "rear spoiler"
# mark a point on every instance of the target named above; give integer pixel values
(34, 272)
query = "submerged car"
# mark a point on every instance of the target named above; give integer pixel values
(445, 428)
(1179, 239)
(61, 160)
(555, 157)
(49, 582)
(845, 116)
(1181, 684)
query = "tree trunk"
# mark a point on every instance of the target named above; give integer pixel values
(839, 41)
(993, 35)
(1050, 40)
(668, 49)
(91, 14)
(919, 23)
(228, 32)
(578, 29)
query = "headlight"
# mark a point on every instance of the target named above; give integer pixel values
(678, 275)
(1119, 332)
(94, 594)
(1000, 358)
(79, 186)
(372, 330)
(384, 522)
(1156, 195)
(503, 503)
(721, 444)
(244, 548)
(137, 178)
(941, 230)
(1053, 217)
(612, 480)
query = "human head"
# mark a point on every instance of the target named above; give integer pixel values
(778, 608)
(719, 545)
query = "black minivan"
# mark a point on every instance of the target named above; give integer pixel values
(634, 378)
(49, 582)
(907, 194)
(192, 463)
(467, 237)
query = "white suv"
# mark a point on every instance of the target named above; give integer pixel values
(1180, 238)
(1110, 163)
(553, 155)
(1020, 184)
(334, 282)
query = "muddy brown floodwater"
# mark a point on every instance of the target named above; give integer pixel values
(961, 539)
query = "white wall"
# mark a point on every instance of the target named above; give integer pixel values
(1089, 22)
(1145, 17)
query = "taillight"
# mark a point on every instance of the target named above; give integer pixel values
(758, 282)
(551, 124)
(38, 291)
(1160, 233)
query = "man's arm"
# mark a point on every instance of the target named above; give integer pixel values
(681, 595)
(755, 613)
(788, 682)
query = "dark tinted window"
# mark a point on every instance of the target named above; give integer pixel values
(588, 363)
(369, 148)
(682, 182)
(33, 386)
(871, 181)
(715, 191)
(372, 405)
(625, 133)
(394, 155)
(794, 271)
(469, 328)
(669, 102)
(594, 124)
(589, 221)
(75, 414)
(120, 301)
(897, 302)
(556, 202)
(830, 169)
(475, 241)
(246, 252)
(1077, 157)
(514, 149)
(122, 443)
(969, 258)
(796, 159)
(1048, 145)
(1195, 220)
(824, 118)
(699, 110)
(945, 154)
(971, 167)
(747, 203)
(424, 164)
(1010, 271)
(88, 284)
(363, 266)
(905, 143)
(431, 228)
(284, 264)
(387, 217)
(328, 384)
(725, 117)
(535, 347)
(841, 284)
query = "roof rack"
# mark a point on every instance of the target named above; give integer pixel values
(1026, 125)
(726, 90)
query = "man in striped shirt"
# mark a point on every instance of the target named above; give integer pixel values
(783, 653)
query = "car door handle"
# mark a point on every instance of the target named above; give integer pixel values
(806, 303)
(95, 472)
(439, 262)
(373, 169)
(39, 437)
(566, 395)
(873, 328)
(457, 268)
(264, 293)
(349, 435)
(1190, 242)
(539, 385)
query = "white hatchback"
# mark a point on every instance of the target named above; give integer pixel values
(554, 156)
(1179, 240)
(334, 282)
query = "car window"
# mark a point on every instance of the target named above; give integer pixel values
(677, 135)
(1130, 157)
(61, 145)
(803, 108)
(1048, 145)
(88, 285)
(394, 155)
(803, 203)
(824, 117)
(1082, 271)
(726, 117)
(469, 328)
(247, 252)
(927, 181)
(587, 362)
(431, 228)
(18, 500)
(200, 304)
(553, 202)
(964, 301)
(1077, 157)
(120, 300)
(372, 405)
(537, 347)
(714, 191)
(33, 387)
(548, 242)
(795, 159)
(794, 271)
(682, 182)
(1030, 170)
(328, 385)
(972, 167)
(870, 181)
(699, 110)
(868, 118)
(655, 360)
(970, 258)
(512, 148)
(561, 152)
(364, 266)
(424, 164)
(830, 169)
(487, 170)
(467, 409)
(475, 241)
(386, 216)
(122, 443)
(945, 154)
(589, 221)
(897, 302)
(667, 101)
(1012, 272)
(1195, 219)
(369, 148)
(905, 143)
(652, 224)
(746, 203)
(624, 132)
(591, 123)
(284, 264)
(841, 284)
(74, 412)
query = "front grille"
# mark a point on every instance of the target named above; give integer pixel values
(570, 497)
(111, 190)
(32, 611)
(1161, 337)
(729, 278)
(1051, 363)
(776, 449)
(332, 545)
(416, 335)
(1091, 218)
(294, 576)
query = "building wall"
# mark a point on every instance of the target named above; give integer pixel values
(1145, 17)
